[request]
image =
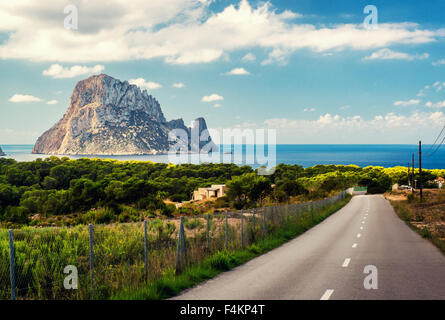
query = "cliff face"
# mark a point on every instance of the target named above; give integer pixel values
(1, 152)
(110, 117)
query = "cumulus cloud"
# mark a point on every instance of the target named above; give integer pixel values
(18, 98)
(180, 32)
(387, 54)
(52, 102)
(438, 85)
(142, 84)
(59, 72)
(309, 109)
(438, 62)
(238, 72)
(412, 102)
(217, 105)
(212, 98)
(178, 85)
(249, 57)
(440, 104)
(330, 128)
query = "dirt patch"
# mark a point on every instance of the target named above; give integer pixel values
(427, 216)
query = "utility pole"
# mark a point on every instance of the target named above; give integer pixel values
(420, 171)
(412, 176)
(409, 176)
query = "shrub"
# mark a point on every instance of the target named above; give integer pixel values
(195, 223)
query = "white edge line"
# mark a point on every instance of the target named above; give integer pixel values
(327, 294)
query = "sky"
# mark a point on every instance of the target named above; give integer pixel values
(310, 70)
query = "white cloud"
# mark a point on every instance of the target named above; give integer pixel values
(345, 107)
(142, 84)
(309, 109)
(217, 105)
(178, 85)
(438, 62)
(407, 103)
(212, 98)
(59, 72)
(18, 98)
(181, 32)
(438, 85)
(238, 72)
(387, 54)
(249, 57)
(329, 128)
(440, 104)
(52, 102)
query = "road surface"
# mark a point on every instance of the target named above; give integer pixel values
(328, 262)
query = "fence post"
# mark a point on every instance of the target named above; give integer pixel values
(12, 263)
(253, 219)
(242, 229)
(146, 250)
(264, 221)
(91, 256)
(208, 232)
(178, 248)
(183, 246)
(227, 231)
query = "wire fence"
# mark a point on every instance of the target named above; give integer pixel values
(96, 262)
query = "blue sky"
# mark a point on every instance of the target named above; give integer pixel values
(307, 69)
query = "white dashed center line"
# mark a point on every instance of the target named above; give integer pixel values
(327, 294)
(354, 245)
(346, 262)
(361, 228)
(359, 235)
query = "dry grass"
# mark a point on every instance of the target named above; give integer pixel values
(426, 217)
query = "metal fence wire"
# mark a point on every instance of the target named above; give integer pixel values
(96, 262)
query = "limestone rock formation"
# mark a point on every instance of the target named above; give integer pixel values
(1, 152)
(110, 117)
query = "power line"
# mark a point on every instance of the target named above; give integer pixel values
(437, 148)
(443, 128)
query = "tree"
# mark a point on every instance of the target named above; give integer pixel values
(248, 188)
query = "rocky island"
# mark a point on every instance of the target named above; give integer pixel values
(109, 117)
(1, 152)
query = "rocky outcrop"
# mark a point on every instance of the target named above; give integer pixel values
(1, 152)
(110, 117)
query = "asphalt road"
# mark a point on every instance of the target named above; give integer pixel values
(328, 262)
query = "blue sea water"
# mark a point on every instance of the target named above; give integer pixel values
(305, 155)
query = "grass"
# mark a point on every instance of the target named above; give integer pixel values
(170, 284)
(427, 218)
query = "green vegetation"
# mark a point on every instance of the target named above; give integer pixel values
(58, 191)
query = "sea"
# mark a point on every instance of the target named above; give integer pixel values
(306, 155)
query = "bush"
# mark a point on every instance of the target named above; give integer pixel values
(104, 215)
(425, 233)
(195, 223)
(222, 260)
